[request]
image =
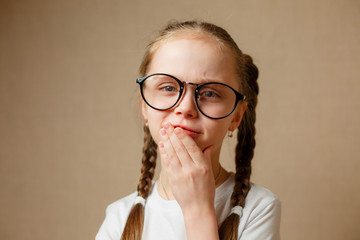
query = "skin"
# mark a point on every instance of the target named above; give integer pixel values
(190, 143)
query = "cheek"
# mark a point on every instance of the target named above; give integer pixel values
(154, 131)
(220, 132)
(217, 131)
(155, 120)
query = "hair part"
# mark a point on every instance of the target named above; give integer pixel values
(192, 29)
(247, 74)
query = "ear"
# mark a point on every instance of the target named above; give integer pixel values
(143, 109)
(238, 115)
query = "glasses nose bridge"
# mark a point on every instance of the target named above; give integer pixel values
(184, 90)
(184, 83)
(190, 83)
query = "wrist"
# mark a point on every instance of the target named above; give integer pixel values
(199, 211)
(200, 214)
(201, 223)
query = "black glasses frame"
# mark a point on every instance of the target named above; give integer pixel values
(239, 96)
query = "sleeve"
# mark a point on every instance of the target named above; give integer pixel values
(266, 224)
(109, 229)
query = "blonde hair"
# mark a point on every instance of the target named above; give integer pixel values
(247, 74)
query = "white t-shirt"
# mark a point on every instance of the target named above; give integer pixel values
(164, 219)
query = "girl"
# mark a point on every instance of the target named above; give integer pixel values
(196, 86)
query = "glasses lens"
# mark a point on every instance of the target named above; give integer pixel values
(161, 91)
(216, 100)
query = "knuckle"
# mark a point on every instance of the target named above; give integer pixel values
(191, 174)
(170, 156)
(162, 150)
(179, 149)
(193, 148)
(204, 171)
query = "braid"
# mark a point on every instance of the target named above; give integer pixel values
(246, 136)
(134, 224)
(244, 149)
(148, 164)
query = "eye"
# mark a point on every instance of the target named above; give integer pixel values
(209, 94)
(169, 88)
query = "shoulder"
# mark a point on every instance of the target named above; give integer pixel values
(122, 204)
(261, 201)
(260, 195)
(257, 195)
(262, 214)
(115, 219)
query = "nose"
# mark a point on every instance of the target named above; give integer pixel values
(187, 105)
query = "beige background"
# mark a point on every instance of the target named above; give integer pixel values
(70, 131)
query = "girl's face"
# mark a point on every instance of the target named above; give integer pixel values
(196, 60)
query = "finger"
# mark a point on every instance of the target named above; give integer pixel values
(179, 148)
(163, 155)
(168, 150)
(190, 145)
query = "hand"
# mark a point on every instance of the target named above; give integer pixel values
(189, 170)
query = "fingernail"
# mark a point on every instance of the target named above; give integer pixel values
(161, 145)
(177, 131)
(162, 132)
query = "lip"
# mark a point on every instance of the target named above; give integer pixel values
(189, 131)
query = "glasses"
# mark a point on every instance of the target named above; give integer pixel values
(215, 100)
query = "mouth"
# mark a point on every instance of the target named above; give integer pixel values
(189, 131)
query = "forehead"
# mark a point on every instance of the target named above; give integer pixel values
(194, 58)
